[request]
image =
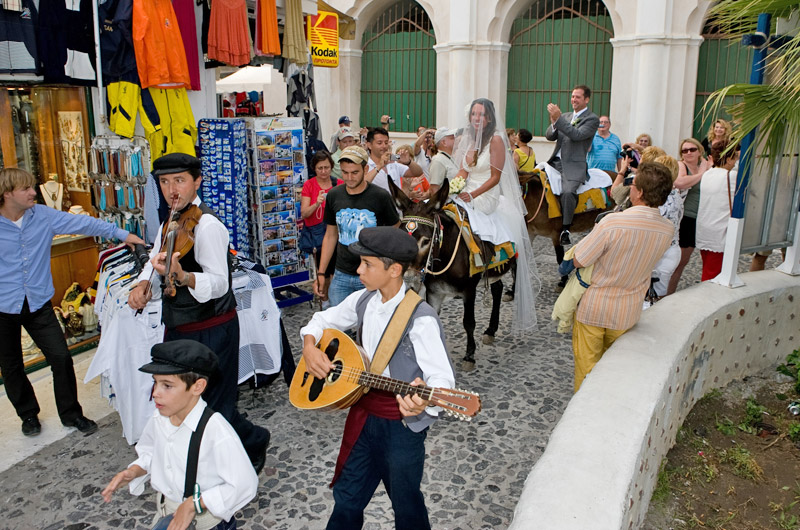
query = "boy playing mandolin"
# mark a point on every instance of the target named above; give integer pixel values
(384, 436)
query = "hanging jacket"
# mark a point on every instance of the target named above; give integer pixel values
(117, 54)
(66, 42)
(160, 55)
(19, 53)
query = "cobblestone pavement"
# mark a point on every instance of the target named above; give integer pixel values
(474, 471)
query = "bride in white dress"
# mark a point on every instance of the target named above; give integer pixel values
(493, 199)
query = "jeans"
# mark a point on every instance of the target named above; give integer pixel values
(343, 285)
(386, 451)
(45, 331)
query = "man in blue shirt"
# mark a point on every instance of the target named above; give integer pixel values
(26, 233)
(606, 146)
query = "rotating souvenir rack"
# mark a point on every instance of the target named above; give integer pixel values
(118, 175)
(279, 170)
(226, 169)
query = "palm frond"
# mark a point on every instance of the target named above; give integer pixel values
(739, 17)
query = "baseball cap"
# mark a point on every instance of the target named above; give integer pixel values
(345, 119)
(355, 154)
(442, 132)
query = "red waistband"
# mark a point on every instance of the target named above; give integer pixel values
(207, 323)
(374, 403)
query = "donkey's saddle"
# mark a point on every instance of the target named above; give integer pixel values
(482, 255)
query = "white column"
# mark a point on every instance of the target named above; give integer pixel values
(653, 87)
(791, 264)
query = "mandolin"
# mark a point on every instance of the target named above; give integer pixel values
(349, 380)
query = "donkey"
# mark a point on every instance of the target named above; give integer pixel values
(540, 224)
(442, 263)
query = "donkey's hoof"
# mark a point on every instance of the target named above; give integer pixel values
(468, 364)
(508, 296)
(488, 339)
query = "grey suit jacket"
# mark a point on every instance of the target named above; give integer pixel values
(574, 141)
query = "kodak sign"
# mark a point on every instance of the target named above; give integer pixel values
(323, 36)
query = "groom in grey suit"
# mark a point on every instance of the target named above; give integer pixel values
(573, 133)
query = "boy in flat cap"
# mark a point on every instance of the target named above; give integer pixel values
(224, 478)
(384, 438)
(348, 210)
(204, 307)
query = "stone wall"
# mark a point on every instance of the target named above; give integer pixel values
(602, 461)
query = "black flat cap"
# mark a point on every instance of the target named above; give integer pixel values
(385, 242)
(179, 357)
(175, 163)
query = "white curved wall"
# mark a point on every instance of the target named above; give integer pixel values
(601, 463)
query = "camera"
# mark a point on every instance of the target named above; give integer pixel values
(391, 120)
(628, 181)
(394, 158)
(633, 155)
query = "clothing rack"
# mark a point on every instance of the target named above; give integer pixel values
(118, 169)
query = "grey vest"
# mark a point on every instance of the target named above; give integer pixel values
(403, 364)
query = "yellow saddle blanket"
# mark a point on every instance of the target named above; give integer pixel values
(477, 264)
(593, 199)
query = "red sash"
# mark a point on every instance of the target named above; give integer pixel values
(376, 403)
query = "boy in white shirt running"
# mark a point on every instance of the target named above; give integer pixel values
(225, 479)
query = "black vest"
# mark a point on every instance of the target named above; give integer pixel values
(183, 308)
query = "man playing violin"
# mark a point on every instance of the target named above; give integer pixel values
(204, 307)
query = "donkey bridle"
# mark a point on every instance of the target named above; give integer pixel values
(436, 225)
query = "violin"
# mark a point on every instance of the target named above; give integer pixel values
(178, 236)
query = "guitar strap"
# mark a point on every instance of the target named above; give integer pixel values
(394, 331)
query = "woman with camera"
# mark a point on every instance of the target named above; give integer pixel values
(312, 207)
(690, 170)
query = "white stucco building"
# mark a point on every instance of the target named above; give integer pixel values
(651, 77)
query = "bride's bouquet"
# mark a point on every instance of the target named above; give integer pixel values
(456, 185)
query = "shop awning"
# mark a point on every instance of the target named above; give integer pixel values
(347, 24)
(246, 79)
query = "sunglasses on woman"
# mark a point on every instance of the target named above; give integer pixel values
(688, 150)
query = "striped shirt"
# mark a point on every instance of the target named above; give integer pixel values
(624, 247)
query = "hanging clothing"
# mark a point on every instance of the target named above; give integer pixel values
(160, 56)
(123, 101)
(184, 10)
(267, 36)
(117, 54)
(229, 32)
(66, 42)
(175, 131)
(19, 53)
(295, 47)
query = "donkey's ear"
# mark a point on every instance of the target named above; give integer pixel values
(400, 198)
(440, 199)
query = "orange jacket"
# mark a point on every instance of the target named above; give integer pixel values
(160, 55)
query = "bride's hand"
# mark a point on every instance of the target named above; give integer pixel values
(464, 196)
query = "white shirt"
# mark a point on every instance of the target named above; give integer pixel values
(430, 352)
(714, 209)
(423, 160)
(211, 240)
(224, 473)
(396, 170)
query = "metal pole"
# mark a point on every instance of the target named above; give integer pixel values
(756, 78)
(733, 239)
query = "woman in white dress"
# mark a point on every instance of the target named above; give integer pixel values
(493, 199)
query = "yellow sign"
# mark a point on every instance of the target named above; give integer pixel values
(323, 35)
